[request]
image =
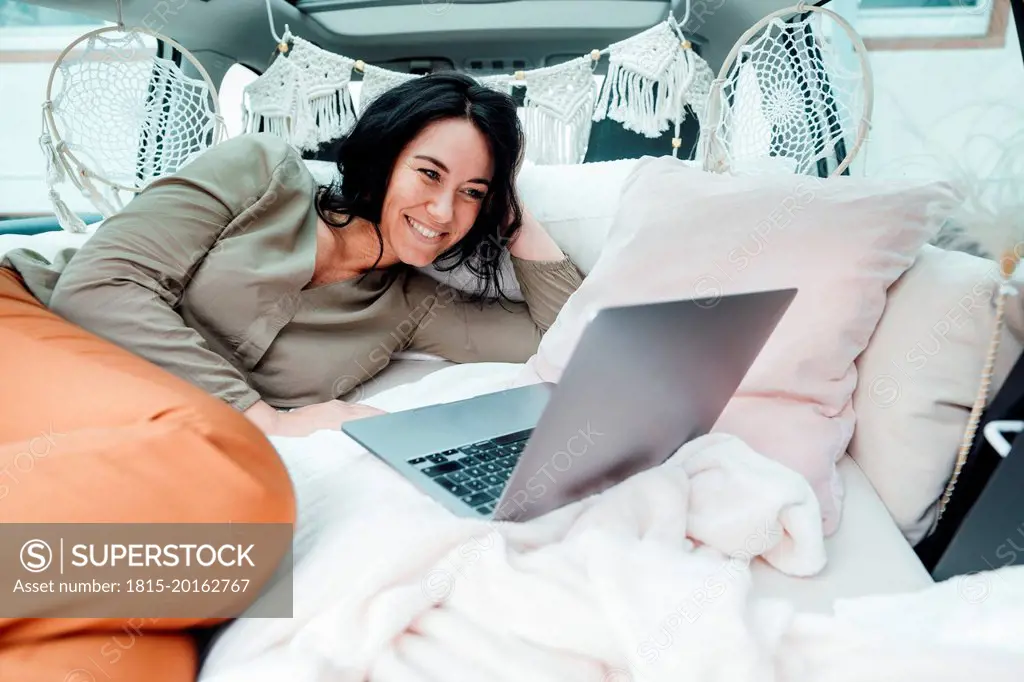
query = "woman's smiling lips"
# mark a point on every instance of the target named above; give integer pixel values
(424, 232)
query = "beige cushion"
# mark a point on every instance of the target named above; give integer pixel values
(918, 379)
(867, 555)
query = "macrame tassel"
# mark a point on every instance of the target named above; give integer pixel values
(105, 205)
(642, 88)
(54, 168)
(698, 86)
(55, 174)
(558, 112)
(601, 105)
(651, 79)
(552, 140)
(333, 114)
(629, 98)
(710, 149)
(673, 99)
(326, 111)
(645, 106)
(277, 124)
(634, 104)
(271, 101)
(66, 218)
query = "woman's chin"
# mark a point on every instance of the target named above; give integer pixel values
(417, 258)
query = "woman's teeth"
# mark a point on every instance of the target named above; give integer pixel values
(429, 234)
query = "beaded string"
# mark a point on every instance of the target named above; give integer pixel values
(1007, 266)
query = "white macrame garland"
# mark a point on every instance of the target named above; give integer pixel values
(558, 109)
(304, 97)
(323, 81)
(272, 101)
(377, 81)
(650, 76)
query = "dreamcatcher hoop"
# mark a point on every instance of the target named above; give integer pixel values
(720, 118)
(171, 118)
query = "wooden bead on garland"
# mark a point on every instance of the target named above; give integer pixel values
(1008, 263)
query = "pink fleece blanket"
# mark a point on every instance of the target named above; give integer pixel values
(649, 580)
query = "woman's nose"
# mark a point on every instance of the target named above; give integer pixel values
(440, 208)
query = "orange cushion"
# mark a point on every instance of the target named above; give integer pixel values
(98, 434)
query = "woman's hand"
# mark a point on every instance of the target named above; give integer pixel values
(308, 419)
(330, 415)
(533, 242)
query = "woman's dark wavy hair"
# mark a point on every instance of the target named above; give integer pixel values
(367, 155)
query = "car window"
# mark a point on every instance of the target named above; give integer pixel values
(31, 38)
(948, 98)
(230, 96)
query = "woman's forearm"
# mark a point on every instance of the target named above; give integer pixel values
(264, 417)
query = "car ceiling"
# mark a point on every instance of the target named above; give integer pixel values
(484, 36)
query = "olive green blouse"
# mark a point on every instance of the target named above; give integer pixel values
(204, 273)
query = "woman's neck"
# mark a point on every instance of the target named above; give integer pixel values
(357, 248)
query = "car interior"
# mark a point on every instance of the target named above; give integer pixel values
(855, 511)
(481, 38)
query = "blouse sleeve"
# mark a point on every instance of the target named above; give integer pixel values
(126, 281)
(463, 331)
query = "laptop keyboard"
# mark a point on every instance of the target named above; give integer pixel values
(475, 473)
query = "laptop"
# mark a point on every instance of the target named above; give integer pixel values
(642, 381)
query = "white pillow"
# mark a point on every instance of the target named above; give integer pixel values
(324, 172)
(576, 204)
(47, 244)
(918, 379)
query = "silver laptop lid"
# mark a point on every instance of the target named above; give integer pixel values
(642, 381)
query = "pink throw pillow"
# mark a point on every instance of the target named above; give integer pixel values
(683, 233)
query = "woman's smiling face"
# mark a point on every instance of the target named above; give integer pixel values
(436, 191)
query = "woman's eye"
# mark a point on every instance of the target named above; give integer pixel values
(432, 174)
(476, 194)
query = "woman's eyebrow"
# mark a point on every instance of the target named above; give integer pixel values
(443, 167)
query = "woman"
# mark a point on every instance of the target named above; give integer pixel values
(244, 277)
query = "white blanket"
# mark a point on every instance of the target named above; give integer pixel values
(648, 581)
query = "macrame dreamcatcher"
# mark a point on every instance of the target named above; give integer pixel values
(654, 79)
(784, 97)
(117, 116)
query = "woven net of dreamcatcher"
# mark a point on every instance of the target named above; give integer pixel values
(117, 117)
(786, 93)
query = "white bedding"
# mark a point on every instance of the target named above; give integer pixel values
(647, 581)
